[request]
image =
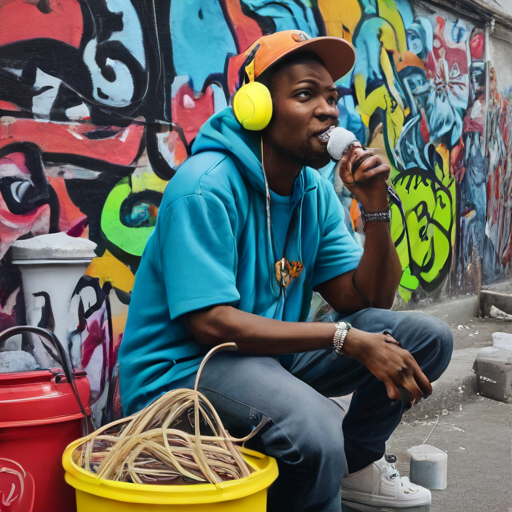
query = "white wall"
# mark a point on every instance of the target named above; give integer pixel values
(504, 6)
(501, 58)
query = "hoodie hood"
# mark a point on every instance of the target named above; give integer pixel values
(222, 132)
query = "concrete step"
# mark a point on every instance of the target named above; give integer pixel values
(470, 333)
(458, 383)
(459, 310)
(456, 386)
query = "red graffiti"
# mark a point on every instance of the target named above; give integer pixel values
(21, 20)
(190, 112)
(120, 148)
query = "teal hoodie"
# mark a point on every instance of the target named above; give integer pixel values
(213, 244)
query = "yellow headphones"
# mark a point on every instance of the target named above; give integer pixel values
(252, 102)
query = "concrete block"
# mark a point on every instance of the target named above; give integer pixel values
(493, 368)
(488, 298)
(502, 340)
(429, 467)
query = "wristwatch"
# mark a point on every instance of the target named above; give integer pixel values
(340, 334)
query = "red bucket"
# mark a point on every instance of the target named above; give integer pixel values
(39, 417)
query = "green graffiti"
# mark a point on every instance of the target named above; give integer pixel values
(425, 243)
(126, 220)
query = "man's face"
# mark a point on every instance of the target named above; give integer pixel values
(305, 105)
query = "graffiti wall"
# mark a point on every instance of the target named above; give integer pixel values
(101, 99)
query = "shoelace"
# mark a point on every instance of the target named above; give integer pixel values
(391, 473)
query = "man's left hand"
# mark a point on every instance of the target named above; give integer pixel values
(364, 175)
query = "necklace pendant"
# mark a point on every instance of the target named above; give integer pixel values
(287, 271)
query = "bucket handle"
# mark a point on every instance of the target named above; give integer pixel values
(66, 366)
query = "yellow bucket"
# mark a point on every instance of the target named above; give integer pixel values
(243, 495)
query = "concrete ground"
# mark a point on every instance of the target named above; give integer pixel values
(478, 439)
(476, 432)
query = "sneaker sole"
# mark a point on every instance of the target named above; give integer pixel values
(380, 501)
(352, 506)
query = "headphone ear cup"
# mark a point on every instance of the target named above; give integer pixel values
(252, 105)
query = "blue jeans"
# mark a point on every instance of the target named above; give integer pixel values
(314, 441)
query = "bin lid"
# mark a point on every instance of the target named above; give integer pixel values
(40, 397)
(55, 246)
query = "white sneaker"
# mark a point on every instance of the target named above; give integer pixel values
(381, 485)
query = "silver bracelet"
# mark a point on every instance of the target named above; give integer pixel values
(342, 329)
(382, 216)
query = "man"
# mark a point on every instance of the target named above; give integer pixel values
(246, 231)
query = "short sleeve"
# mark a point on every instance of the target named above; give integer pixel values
(338, 252)
(197, 254)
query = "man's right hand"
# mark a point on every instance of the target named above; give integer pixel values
(364, 174)
(382, 355)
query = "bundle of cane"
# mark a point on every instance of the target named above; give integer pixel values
(178, 439)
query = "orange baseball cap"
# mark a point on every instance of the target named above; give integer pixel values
(337, 54)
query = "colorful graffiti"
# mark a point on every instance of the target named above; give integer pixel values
(82, 151)
(497, 251)
(100, 101)
(423, 127)
(418, 92)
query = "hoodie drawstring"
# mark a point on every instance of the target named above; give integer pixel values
(286, 273)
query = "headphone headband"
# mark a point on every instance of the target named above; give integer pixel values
(246, 72)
